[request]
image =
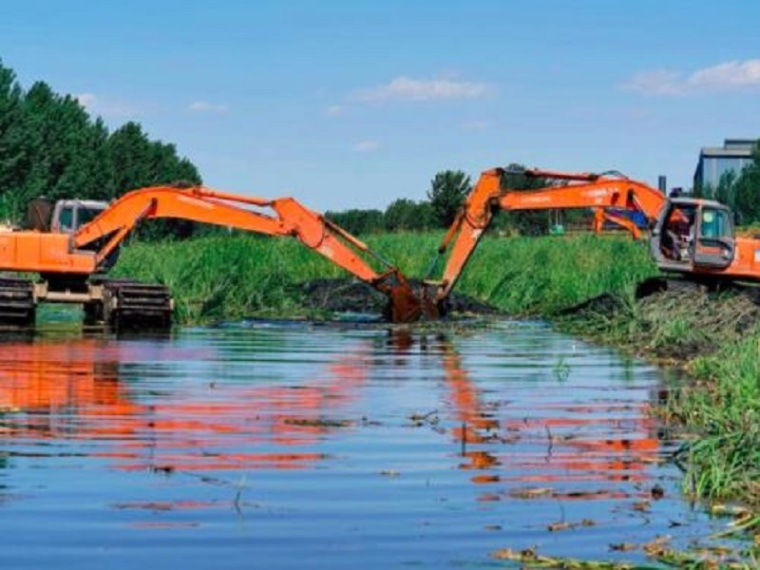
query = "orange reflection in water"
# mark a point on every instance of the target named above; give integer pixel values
(73, 390)
(592, 443)
(45, 378)
(566, 444)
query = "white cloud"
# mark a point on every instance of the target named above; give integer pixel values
(206, 107)
(334, 110)
(86, 99)
(107, 108)
(656, 82)
(366, 146)
(410, 89)
(729, 76)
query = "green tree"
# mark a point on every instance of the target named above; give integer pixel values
(11, 150)
(407, 215)
(134, 161)
(746, 194)
(129, 159)
(102, 185)
(357, 221)
(50, 146)
(448, 189)
(69, 156)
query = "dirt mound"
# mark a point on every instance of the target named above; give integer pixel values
(343, 295)
(604, 305)
(346, 295)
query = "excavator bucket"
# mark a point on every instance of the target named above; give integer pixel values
(408, 303)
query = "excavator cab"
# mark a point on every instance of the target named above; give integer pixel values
(694, 234)
(69, 215)
(63, 216)
(66, 217)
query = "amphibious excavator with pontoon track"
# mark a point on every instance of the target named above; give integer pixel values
(73, 246)
(694, 238)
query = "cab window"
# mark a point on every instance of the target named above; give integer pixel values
(715, 223)
(66, 218)
(86, 215)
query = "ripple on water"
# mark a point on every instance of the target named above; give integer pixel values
(338, 446)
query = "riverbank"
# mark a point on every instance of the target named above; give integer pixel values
(715, 338)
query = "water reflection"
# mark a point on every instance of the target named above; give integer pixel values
(69, 390)
(583, 442)
(397, 446)
(74, 390)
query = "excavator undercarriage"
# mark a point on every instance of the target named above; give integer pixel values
(18, 307)
(128, 304)
(116, 304)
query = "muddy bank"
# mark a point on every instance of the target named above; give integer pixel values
(667, 319)
(346, 295)
(664, 320)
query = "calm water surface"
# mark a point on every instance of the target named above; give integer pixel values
(266, 445)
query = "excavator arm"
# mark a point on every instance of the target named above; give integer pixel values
(211, 207)
(605, 193)
(287, 217)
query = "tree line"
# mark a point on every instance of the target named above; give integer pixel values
(448, 190)
(51, 147)
(446, 195)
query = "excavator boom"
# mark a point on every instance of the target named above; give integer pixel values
(604, 193)
(67, 259)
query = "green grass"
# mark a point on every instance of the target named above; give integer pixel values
(227, 277)
(529, 276)
(725, 411)
(230, 277)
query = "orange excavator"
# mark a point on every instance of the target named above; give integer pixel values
(689, 236)
(607, 194)
(76, 244)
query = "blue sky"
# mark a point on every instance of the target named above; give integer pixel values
(353, 104)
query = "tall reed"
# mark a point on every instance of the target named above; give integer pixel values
(230, 277)
(725, 460)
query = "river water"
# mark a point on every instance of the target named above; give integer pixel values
(297, 445)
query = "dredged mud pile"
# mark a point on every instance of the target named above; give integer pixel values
(350, 296)
(670, 319)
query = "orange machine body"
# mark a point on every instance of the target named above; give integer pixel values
(33, 251)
